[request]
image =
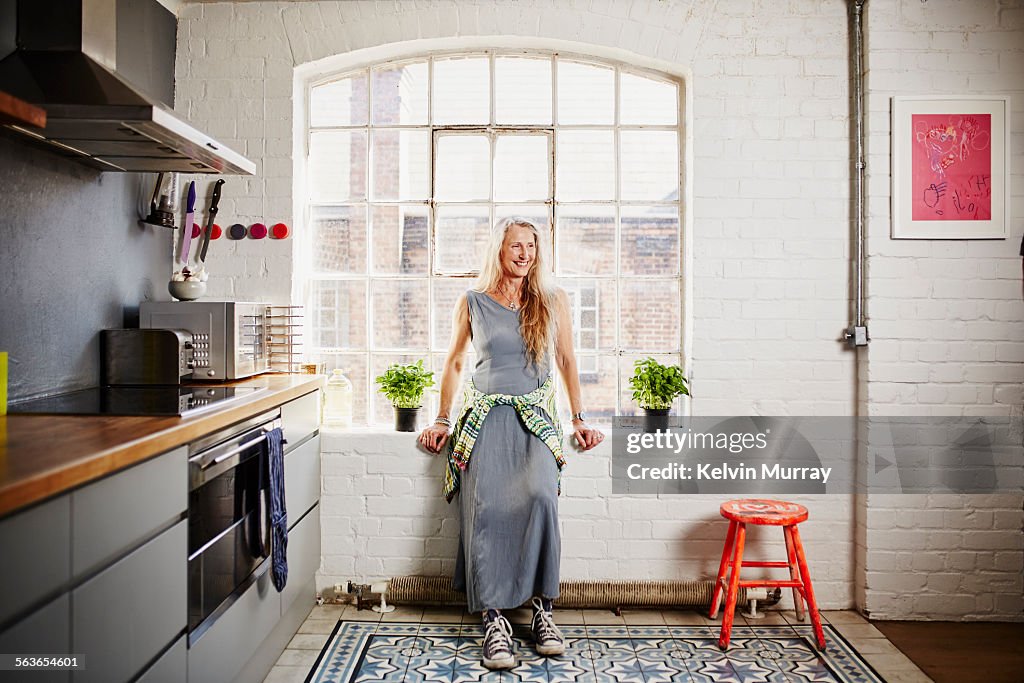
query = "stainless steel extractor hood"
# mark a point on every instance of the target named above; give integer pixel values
(104, 72)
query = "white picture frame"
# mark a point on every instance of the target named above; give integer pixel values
(950, 167)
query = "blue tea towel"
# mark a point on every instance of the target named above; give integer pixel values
(278, 513)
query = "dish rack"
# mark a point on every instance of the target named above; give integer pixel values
(284, 337)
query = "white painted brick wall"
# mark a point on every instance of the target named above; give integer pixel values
(769, 280)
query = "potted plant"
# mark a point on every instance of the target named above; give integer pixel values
(404, 385)
(655, 387)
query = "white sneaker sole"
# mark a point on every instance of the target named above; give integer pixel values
(549, 650)
(506, 663)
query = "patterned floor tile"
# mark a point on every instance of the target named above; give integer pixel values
(595, 653)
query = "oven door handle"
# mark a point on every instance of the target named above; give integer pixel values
(235, 451)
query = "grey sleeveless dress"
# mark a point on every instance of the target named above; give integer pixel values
(510, 545)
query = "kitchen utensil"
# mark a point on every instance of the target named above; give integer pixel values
(164, 203)
(209, 220)
(186, 290)
(186, 231)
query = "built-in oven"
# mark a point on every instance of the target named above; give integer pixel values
(228, 518)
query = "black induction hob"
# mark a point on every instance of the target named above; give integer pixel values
(183, 401)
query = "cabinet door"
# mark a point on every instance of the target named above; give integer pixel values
(45, 632)
(303, 558)
(300, 418)
(302, 479)
(172, 667)
(221, 652)
(36, 562)
(128, 613)
(117, 513)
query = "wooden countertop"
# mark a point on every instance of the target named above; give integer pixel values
(45, 455)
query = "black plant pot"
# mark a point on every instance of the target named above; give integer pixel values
(655, 419)
(406, 418)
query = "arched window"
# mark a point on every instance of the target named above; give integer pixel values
(410, 163)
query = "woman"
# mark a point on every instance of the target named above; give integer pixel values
(505, 451)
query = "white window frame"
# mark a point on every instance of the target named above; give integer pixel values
(493, 129)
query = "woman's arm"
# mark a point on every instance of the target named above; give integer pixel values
(565, 359)
(435, 436)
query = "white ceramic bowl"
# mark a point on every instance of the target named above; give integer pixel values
(187, 290)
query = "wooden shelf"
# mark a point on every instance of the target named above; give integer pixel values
(20, 112)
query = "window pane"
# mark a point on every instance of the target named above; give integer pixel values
(650, 240)
(401, 164)
(593, 312)
(461, 237)
(521, 168)
(340, 103)
(462, 90)
(400, 94)
(446, 292)
(399, 314)
(354, 367)
(383, 412)
(586, 239)
(586, 94)
(649, 315)
(650, 164)
(463, 168)
(597, 384)
(645, 100)
(337, 166)
(339, 239)
(337, 314)
(585, 165)
(627, 367)
(535, 213)
(522, 90)
(400, 235)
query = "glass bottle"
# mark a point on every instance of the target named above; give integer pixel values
(338, 401)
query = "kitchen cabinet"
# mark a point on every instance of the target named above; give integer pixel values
(100, 566)
(251, 634)
(100, 572)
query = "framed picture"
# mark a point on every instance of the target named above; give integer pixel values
(950, 167)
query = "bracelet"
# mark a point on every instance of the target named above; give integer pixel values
(443, 420)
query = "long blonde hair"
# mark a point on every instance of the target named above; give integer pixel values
(536, 317)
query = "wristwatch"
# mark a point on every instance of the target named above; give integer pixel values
(581, 416)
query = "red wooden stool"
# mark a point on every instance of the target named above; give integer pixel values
(773, 513)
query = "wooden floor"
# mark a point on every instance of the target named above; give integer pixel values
(956, 652)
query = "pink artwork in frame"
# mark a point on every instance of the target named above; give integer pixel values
(951, 162)
(950, 167)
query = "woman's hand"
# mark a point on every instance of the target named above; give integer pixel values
(586, 437)
(434, 437)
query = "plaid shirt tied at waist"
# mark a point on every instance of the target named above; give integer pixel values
(477, 405)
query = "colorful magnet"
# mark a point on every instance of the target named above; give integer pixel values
(279, 231)
(257, 231)
(215, 232)
(196, 231)
(237, 231)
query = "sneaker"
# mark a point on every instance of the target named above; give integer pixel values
(548, 638)
(497, 649)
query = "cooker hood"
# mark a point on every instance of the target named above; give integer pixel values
(104, 72)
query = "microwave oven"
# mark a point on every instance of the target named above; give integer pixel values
(229, 338)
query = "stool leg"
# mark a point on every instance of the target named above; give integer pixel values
(794, 573)
(716, 596)
(805, 576)
(734, 587)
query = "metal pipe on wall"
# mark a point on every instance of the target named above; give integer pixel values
(857, 334)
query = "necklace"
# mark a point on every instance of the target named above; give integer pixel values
(511, 304)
